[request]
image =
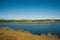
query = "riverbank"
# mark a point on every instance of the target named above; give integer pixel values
(10, 34)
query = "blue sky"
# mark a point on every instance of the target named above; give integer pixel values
(30, 9)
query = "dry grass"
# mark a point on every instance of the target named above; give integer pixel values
(8, 34)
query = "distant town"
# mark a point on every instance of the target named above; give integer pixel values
(30, 21)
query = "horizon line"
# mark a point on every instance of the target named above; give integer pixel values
(33, 19)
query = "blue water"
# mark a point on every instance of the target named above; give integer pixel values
(54, 28)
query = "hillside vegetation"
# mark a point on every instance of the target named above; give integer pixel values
(9, 34)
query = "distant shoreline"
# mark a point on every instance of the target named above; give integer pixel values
(28, 21)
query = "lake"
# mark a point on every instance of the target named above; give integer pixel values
(54, 28)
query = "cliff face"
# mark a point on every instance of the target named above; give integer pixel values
(8, 34)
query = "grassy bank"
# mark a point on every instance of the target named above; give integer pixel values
(9, 34)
